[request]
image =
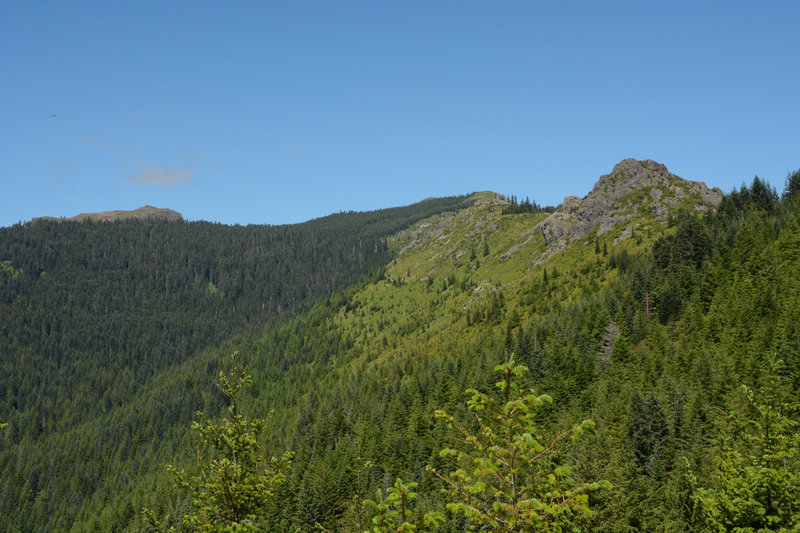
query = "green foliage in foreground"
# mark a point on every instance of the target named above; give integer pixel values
(510, 476)
(234, 480)
(507, 476)
(394, 513)
(756, 485)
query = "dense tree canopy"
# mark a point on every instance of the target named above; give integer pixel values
(113, 342)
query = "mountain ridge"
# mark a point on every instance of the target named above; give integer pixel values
(144, 212)
(596, 320)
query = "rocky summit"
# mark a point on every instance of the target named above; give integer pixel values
(146, 211)
(633, 189)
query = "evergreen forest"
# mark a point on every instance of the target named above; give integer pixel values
(446, 366)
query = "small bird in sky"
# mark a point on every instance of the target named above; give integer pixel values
(53, 115)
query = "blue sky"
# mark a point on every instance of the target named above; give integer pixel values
(278, 112)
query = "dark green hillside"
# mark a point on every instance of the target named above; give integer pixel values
(94, 311)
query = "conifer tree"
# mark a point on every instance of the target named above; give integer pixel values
(756, 486)
(395, 512)
(510, 475)
(234, 480)
(647, 433)
(792, 187)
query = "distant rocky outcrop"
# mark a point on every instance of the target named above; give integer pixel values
(633, 189)
(147, 211)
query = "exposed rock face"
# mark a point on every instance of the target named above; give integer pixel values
(630, 190)
(147, 211)
(143, 212)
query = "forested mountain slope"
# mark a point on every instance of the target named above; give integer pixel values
(94, 311)
(644, 306)
(649, 327)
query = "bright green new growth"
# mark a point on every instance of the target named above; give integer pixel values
(756, 486)
(394, 513)
(235, 483)
(7, 268)
(510, 476)
(212, 289)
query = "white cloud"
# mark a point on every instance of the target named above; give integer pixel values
(163, 176)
